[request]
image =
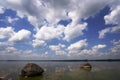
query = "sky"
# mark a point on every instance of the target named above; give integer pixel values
(59, 29)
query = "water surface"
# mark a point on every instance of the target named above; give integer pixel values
(63, 70)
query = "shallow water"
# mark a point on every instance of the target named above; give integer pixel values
(63, 70)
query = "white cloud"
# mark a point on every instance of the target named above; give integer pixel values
(5, 44)
(103, 32)
(44, 15)
(53, 10)
(79, 49)
(33, 9)
(76, 47)
(116, 47)
(12, 53)
(8, 51)
(11, 50)
(114, 42)
(97, 47)
(113, 17)
(58, 49)
(73, 31)
(10, 35)
(85, 8)
(20, 36)
(94, 52)
(48, 33)
(6, 32)
(33, 21)
(37, 43)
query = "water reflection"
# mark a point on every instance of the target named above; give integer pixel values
(31, 78)
(64, 71)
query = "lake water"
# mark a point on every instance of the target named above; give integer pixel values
(63, 70)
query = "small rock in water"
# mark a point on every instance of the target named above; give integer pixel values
(86, 66)
(31, 69)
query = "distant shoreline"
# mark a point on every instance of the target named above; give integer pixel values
(85, 60)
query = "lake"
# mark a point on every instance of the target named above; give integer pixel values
(63, 70)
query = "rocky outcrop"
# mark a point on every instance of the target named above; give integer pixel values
(31, 69)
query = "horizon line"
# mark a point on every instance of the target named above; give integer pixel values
(68, 60)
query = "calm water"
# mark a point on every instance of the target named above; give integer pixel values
(64, 71)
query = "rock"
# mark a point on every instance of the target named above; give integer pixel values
(86, 66)
(1, 78)
(10, 76)
(31, 69)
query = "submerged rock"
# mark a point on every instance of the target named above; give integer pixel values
(86, 66)
(9, 76)
(31, 69)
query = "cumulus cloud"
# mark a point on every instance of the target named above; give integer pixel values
(37, 9)
(116, 47)
(94, 52)
(11, 53)
(58, 49)
(77, 47)
(44, 15)
(114, 42)
(103, 32)
(10, 35)
(11, 50)
(48, 33)
(6, 32)
(73, 31)
(53, 11)
(7, 51)
(113, 17)
(97, 47)
(38, 43)
(20, 36)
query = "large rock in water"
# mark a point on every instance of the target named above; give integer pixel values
(31, 69)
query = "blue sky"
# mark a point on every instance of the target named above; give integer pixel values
(59, 29)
